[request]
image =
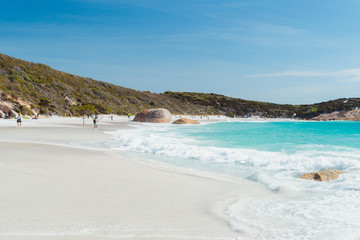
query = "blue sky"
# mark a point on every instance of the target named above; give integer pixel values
(283, 51)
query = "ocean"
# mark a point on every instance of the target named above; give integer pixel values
(273, 154)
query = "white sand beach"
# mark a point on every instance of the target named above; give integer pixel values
(51, 189)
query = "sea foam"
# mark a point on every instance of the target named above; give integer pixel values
(160, 140)
(302, 209)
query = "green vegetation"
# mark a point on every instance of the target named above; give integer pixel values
(31, 88)
(48, 91)
(244, 108)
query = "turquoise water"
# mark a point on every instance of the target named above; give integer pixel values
(274, 155)
(276, 136)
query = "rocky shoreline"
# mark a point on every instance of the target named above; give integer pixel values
(353, 115)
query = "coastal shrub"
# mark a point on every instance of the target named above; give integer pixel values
(133, 100)
(86, 109)
(103, 109)
(44, 102)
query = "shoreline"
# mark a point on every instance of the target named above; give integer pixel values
(174, 191)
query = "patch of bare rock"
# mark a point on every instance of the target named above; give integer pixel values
(343, 115)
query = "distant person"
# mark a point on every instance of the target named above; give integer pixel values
(112, 117)
(95, 120)
(83, 121)
(18, 120)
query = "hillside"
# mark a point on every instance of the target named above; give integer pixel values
(239, 107)
(34, 88)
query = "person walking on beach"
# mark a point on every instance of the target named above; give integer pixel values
(95, 120)
(18, 120)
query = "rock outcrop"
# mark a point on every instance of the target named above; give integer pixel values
(324, 175)
(340, 115)
(186, 121)
(160, 115)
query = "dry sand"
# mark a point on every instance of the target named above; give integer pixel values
(50, 189)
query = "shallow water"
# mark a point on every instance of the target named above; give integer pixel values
(273, 154)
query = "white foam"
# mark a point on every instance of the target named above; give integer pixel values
(322, 215)
(158, 140)
(303, 210)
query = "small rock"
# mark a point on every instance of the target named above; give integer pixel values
(186, 121)
(324, 175)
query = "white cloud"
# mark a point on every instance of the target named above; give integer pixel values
(346, 75)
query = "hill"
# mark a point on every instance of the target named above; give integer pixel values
(245, 108)
(32, 88)
(35, 88)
